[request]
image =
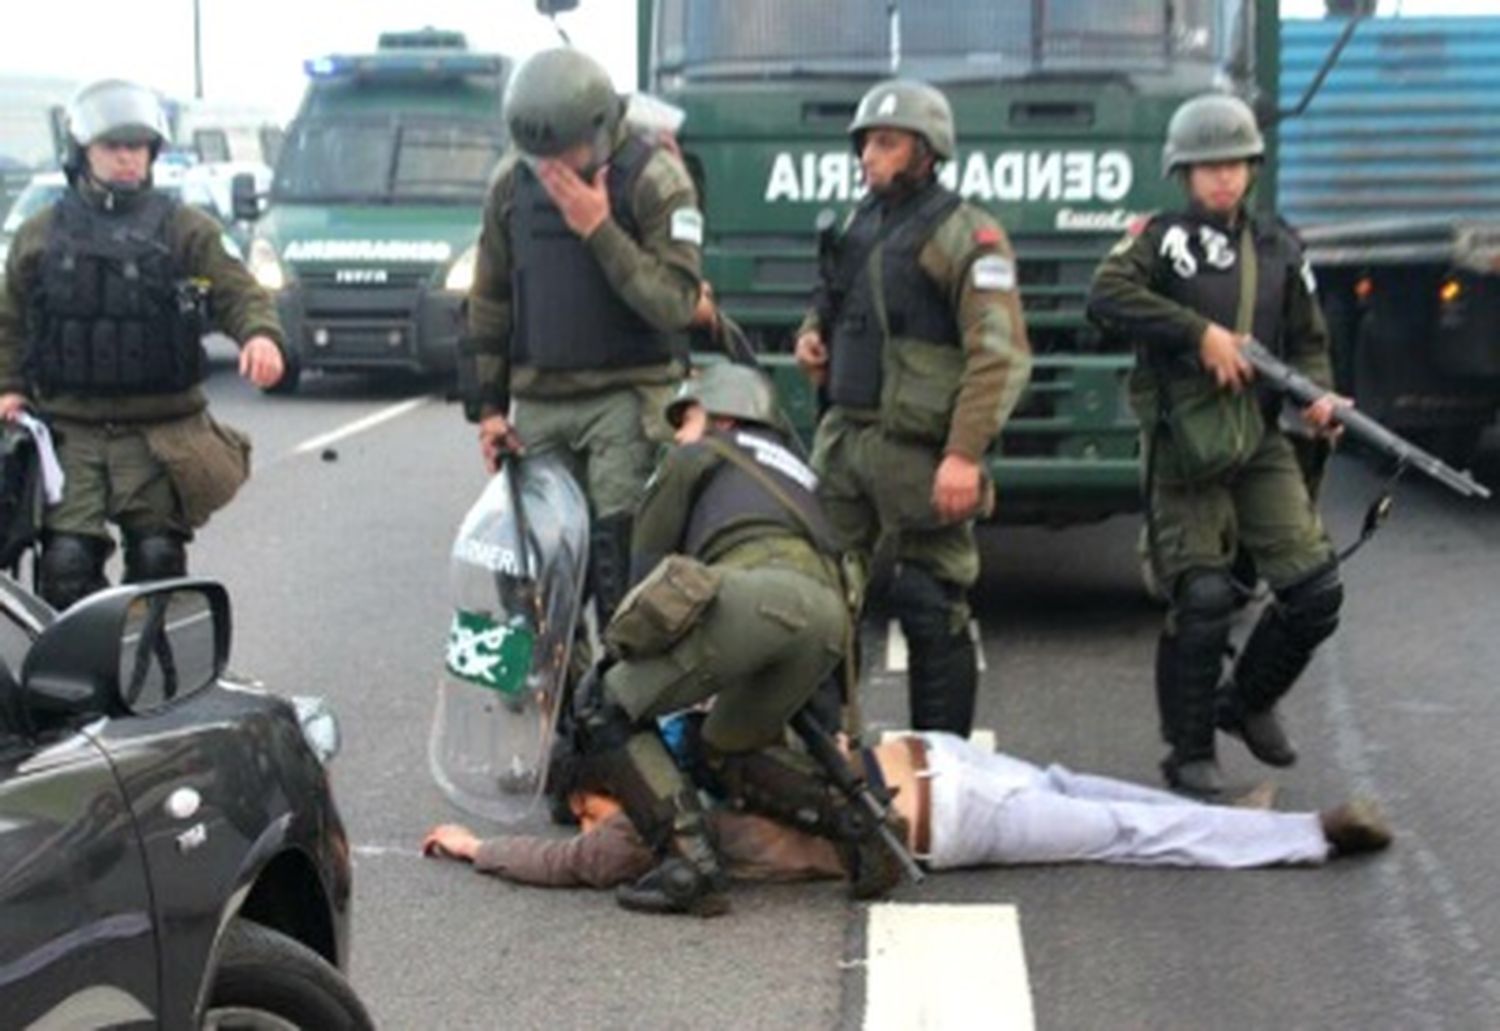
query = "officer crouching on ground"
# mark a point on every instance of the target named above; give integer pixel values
(739, 602)
(922, 366)
(588, 264)
(1187, 288)
(107, 296)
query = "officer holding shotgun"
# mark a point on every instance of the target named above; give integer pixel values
(1190, 289)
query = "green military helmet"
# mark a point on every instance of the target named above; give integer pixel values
(559, 98)
(729, 391)
(1211, 127)
(910, 105)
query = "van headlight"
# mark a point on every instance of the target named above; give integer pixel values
(265, 266)
(461, 273)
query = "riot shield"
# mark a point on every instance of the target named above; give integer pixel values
(517, 571)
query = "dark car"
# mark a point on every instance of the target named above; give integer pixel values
(170, 853)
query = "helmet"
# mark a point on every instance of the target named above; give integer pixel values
(559, 98)
(910, 105)
(729, 391)
(113, 111)
(1211, 127)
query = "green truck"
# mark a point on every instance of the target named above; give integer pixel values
(369, 232)
(1061, 108)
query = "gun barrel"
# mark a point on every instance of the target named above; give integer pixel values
(1360, 426)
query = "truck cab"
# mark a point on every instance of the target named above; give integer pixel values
(368, 239)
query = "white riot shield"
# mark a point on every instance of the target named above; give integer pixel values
(518, 565)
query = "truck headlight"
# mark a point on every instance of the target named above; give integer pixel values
(461, 273)
(265, 266)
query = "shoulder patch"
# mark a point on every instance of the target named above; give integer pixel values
(1138, 225)
(987, 236)
(994, 272)
(687, 226)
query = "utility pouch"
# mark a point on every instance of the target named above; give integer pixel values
(918, 389)
(206, 461)
(660, 610)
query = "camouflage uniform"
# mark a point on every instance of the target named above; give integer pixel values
(1223, 476)
(949, 359)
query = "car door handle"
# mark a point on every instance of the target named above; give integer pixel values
(183, 804)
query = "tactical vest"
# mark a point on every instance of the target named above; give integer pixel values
(111, 312)
(1199, 267)
(915, 308)
(732, 497)
(567, 316)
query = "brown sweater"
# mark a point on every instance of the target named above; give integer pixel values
(613, 853)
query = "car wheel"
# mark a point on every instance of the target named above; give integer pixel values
(269, 982)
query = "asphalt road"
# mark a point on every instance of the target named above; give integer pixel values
(336, 558)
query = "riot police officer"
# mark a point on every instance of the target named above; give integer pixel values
(1187, 288)
(737, 499)
(588, 264)
(107, 296)
(922, 362)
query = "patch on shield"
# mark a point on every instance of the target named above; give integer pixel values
(993, 272)
(490, 654)
(687, 226)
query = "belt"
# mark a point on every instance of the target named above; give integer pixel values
(921, 831)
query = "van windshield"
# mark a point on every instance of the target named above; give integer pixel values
(384, 161)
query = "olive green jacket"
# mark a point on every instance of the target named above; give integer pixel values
(238, 307)
(997, 354)
(659, 278)
(1125, 299)
(661, 523)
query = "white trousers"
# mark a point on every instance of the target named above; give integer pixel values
(993, 809)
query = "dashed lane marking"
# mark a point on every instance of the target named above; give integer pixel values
(370, 421)
(942, 967)
(897, 657)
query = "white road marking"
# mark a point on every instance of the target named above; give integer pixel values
(370, 421)
(897, 657)
(940, 967)
(382, 851)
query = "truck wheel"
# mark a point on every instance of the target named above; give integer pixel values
(267, 981)
(291, 376)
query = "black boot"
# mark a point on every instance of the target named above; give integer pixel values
(1279, 649)
(1189, 663)
(691, 878)
(943, 668)
(609, 563)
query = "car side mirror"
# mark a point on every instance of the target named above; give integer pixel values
(553, 8)
(128, 650)
(244, 201)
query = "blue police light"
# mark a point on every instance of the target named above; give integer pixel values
(321, 67)
(399, 65)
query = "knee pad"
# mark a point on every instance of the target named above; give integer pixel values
(1203, 596)
(155, 556)
(1310, 607)
(71, 568)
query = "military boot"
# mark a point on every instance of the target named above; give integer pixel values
(1185, 683)
(690, 879)
(788, 787)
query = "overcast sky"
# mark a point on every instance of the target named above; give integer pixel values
(253, 49)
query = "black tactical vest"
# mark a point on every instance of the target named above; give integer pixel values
(915, 308)
(1198, 266)
(111, 312)
(733, 497)
(567, 316)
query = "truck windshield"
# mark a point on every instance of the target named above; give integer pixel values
(946, 40)
(383, 161)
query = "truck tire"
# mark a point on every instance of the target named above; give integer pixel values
(266, 980)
